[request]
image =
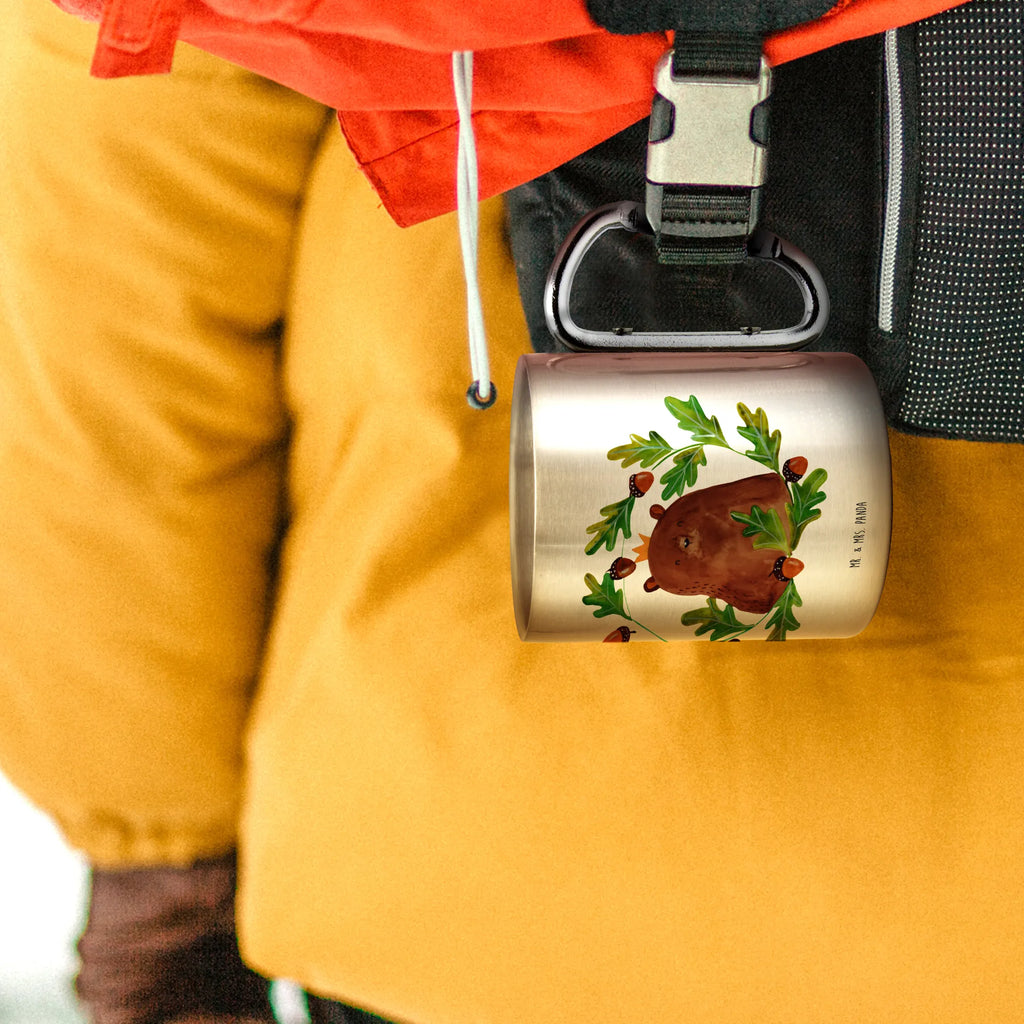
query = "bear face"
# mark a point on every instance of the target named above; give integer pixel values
(696, 546)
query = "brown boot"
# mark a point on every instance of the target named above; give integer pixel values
(159, 945)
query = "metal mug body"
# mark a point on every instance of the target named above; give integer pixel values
(711, 496)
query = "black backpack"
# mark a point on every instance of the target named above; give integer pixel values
(896, 163)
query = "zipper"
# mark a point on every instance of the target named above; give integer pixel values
(894, 174)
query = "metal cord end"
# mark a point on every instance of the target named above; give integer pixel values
(474, 399)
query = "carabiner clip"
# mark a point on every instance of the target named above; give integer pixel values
(628, 216)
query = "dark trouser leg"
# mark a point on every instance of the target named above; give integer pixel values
(159, 944)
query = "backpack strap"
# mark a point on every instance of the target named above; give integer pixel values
(709, 125)
(706, 147)
(743, 17)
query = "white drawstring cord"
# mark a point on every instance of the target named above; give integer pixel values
(481, 393)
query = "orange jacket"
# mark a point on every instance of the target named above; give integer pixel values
(549, 83)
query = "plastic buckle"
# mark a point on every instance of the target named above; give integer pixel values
(627, 216)
(710, 132)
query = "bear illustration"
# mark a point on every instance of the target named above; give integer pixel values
(696, 547)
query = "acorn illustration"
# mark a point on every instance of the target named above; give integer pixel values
(621, 568)
(621, 635)
(793, 469)
(786, 567)
(640, 483)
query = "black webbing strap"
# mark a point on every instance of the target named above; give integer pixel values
(716, 54)
(687, 208)
(745, 17)
(689, 213)
(697, 221)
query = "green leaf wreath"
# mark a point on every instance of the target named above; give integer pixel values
(765, 528)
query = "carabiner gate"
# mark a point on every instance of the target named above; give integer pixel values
(629, 216)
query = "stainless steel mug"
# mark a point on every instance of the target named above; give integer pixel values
(716, 496)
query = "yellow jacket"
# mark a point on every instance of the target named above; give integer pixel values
(438, 821)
